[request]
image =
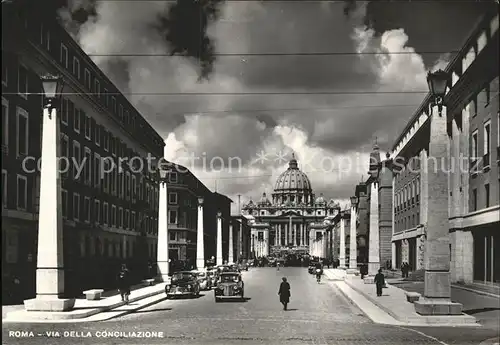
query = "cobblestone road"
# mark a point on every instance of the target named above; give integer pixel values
(319, 314)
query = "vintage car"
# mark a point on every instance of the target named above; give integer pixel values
(205, 283)
(229, 285)
(184, 283)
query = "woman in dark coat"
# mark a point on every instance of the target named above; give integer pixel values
(284, 293)
(124, 283)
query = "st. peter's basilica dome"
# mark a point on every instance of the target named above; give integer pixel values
(293, 179)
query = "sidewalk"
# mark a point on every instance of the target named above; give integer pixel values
(108, 307)
(392, 307)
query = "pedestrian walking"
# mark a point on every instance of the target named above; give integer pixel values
(284, 293)
(277, 265)
(379, 282)
(124, 283)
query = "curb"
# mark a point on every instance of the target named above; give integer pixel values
(103, 317)
(479, 292)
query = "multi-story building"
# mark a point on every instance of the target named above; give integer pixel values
(474, 141)
(108, 217)
(184, 189)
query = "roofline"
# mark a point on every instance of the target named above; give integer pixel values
(463, 48)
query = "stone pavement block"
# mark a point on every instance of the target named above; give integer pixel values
(436, 307)
(369, 280)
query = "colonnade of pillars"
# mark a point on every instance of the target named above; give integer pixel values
(295, 234)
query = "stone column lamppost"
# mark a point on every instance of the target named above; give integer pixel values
(219, 239)
(231, 245)
(162, 255)
(437, 285)
(200, 241)
(342, 241)
(50, 253)
(353, 250)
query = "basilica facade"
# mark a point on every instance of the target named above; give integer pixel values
(292, 219)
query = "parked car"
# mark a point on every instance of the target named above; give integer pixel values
(205, 283)
(230, 285)
(184, 283)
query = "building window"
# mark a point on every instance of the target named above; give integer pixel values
(127, 219)
(120, 217)
(87, 79)
(106, 97)
(5, 123)
(127, 117)
(474, 200)
(76, 67)
(105, 212)
(22, 82)
(113, 104)
(63, 59)
(172, 216)
(77, 159)
(474, 143)
(173, 177)
(65, 154)
(64, 111)
(4, 188)
(487, 137)
(87, 125)
(88, 167)
(487, 194)
(133, 187)
(172, 198)
(76, 120)
(171, 235)
(97, 88)
(106, 140)
(97, 211)
(97, 134)
(97, 170)
(22, 132)
(113, 215)
(132, 221)
(76, 206)
(64, 203)
(86, 209)
(120, 112)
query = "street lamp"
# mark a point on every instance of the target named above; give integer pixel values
(200, 200)
(52, 87)
(50, 255)
(162, 254)
(354, 201)
(437, 284)
(219, 214)
(438, 82)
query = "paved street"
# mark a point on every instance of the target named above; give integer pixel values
(318, 314)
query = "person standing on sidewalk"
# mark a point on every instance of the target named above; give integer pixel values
(124, 283)
(284, 293)
(379, 282)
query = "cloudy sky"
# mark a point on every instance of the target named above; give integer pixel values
(327, 109)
